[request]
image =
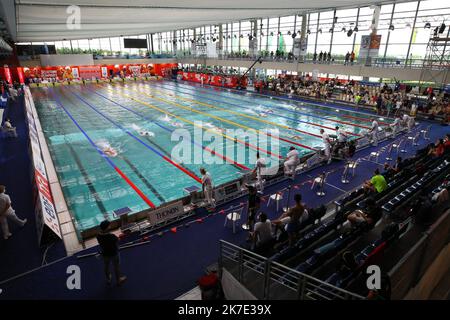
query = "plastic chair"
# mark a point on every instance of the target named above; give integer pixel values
(349, 166)
(277, 197)
(425, 132)
(374, 154)
(234, 216)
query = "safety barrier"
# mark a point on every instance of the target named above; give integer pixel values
(410, 269)
(44, 178)
(261, 277)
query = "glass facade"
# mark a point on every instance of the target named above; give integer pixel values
(405, 29)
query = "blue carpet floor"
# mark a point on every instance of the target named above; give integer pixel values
(165, 267)
(21, 252)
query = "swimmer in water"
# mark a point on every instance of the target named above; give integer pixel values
(109, 151)
(177, 124)
(209, 125)
(217, 129)
(146, 133)
(166, 118)
(296, 137)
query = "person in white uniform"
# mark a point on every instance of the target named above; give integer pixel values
(259, 165)
(9, 129)
(396, 126)
(327, 144)
(291, 161)
(374, 132)
(342, 139)
(207, 186)
(408, 122)
(341, 135)
(7, 212)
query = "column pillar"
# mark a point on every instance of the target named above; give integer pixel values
(174, 42)
(303, 39)
(220, 40)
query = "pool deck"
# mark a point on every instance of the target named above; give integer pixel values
(166, 266)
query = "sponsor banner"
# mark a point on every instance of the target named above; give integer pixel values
(49, 74)
(75, 73)
(370, 45)
(253, 47)
(135, 70)
(44, 206)
(296, 46)
(200, 49)
(165, 213)
(104, 72)
(300, 46)
(89, 72)
(223, 81)
(211, 50)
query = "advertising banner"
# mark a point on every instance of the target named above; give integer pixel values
(89, 72)
(215, 80)
(165, 213)
(253, 47)
(104, 72)
(75, 73)
(135, 70)
(370, 46)
(46, 215)
(49, 74)
(211, 50)
(200, 49)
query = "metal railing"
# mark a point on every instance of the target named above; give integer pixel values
(410, 63)
(269, 280)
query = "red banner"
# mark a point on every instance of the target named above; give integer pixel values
(214, 80)
(89, 72)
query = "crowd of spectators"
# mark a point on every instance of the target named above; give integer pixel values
(385, 99)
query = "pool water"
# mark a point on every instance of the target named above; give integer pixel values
(95, 131)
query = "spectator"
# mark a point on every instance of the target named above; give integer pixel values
(7, 212)
(370, 217)
(447, 144)
(399, 164)
(440, 148)
(291, 161)
(442, 196)
(9, 129)
(329, 56)
(347, 58)
(352, 58)
(315, 56)
(207, 187)
(293, 218)
(254, 203)
(320, 56)
(262, 233)
(373, 132)
(109, 249)
(327, 145)
(258, 171)
(377, 183)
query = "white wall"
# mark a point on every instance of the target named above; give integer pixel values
(67, 60)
